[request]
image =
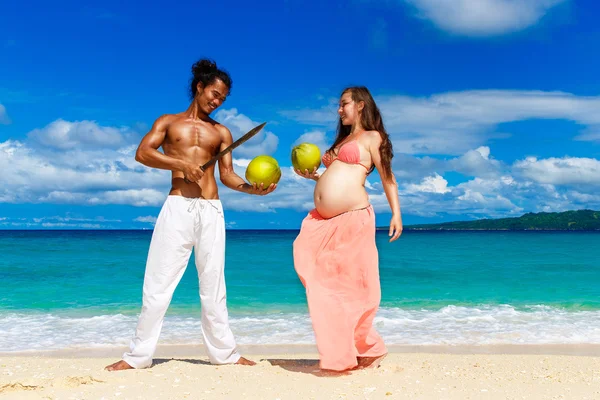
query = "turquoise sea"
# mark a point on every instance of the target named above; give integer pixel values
(64, 289)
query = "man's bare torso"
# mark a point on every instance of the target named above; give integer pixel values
(195, 141)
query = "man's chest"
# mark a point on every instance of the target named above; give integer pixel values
(194, 135)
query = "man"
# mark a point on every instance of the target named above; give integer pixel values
(191, 217)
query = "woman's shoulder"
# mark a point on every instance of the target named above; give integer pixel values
(373, 137)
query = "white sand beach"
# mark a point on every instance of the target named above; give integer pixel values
(423, 372)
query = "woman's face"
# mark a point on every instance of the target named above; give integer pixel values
(347, 109)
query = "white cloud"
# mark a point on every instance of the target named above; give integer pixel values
(73, 172)
(62, 197)
(586, 199)
(148, 219)
(496, 195)
(65, 225)
(265, 142)
(476, 163)
(561, 171)
(134, 197)
(241, 162)
(483, 17)
(4, 120)
(107, 173)
(111, 176)
(65, 135)
(62, 222)
(478, 202)
(477, 197)
(453, 123)
(34, 175)
(503, 196)
(70, 219)
(86, 163)
(431, 184)
(496, 190)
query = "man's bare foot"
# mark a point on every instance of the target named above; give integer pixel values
(370, 362)
(245, 361)
(118, 366)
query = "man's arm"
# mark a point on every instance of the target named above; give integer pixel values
(228, 175)
(147, 152)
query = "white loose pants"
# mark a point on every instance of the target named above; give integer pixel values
(183, 224)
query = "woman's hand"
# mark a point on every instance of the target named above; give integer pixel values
(308, 175)
(395, 228)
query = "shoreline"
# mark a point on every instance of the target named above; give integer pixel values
(407, 228)
(188, 350)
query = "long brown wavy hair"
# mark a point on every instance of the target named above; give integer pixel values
(370, 120)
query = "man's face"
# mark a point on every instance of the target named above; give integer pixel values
(212, 96)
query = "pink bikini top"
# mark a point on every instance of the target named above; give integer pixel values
(349, 153)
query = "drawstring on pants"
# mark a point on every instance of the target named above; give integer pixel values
(200, 202)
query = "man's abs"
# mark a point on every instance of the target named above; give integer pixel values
(206, 188)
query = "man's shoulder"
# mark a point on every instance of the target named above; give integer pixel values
(164, 121)
(168, 118)
(222, 129)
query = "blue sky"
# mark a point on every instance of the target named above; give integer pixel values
(493, 106)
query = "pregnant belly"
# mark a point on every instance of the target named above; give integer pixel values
(340, 190)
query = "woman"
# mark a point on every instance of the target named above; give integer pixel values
(335, 254)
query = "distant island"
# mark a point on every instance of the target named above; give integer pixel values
(580, 220)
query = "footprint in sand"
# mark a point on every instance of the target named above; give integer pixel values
(74, 381)
(15, 387)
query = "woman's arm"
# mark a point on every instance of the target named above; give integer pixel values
(390, 186)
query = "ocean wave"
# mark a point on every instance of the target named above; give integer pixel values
(450, 325)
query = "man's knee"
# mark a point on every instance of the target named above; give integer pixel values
(214, 309)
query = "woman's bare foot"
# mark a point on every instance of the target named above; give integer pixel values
(118, 366)
(334, 372)
(370, 362)
(245, 361)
